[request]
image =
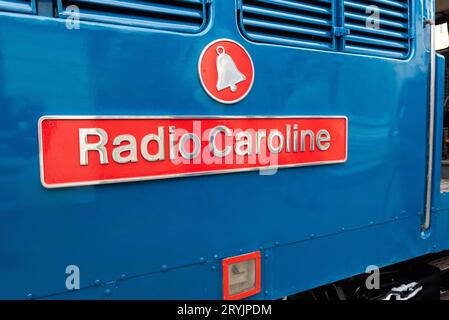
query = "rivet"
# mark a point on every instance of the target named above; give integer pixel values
(266, 255)
(276, 244)
(371, 223)
(97, 282)
(107, 292)
(312, 235)
(123, 276)
(216, 256)
(164, 267)
(261, 248)
(343, 229)
(29, 296)
(396, 218)
(202, 260)
(241, 250)
(213, 268)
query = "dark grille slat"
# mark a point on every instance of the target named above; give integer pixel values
(386, 22)
(286, 27)
(285, 15)
(399, 14)
(378, 32)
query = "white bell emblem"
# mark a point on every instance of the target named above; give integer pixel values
(228, 74)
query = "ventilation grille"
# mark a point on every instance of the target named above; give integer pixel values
(179, 15)
(391, 38)
(302, 23)
(25, 6)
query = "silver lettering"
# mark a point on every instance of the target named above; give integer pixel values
(323, 136)
(304, 134)
(99, 146)
(275, 134)
(131, 147)
(159, 139)
(295, 138)
(172, 142)
(259, 136)
(243, 146)
(212, 141)
(196, 146)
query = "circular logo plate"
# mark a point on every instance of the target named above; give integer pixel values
(226, 71)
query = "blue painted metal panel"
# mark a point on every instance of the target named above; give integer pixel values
(296, 216)
(346, 253)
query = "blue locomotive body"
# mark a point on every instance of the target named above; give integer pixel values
(166, 239)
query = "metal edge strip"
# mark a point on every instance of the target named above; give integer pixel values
(431, 131)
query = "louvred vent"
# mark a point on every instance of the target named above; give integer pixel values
(377, 27)
(188, 16)
(301, 23)
(369, 27)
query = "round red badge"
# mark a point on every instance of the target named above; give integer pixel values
(226, 71)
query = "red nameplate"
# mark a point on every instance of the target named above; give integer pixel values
(77, 151)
